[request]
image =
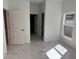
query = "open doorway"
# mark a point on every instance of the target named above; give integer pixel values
(34, 26)
(37, 13)
(33, 18)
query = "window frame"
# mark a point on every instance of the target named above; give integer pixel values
(64, 17)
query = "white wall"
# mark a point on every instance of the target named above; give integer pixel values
(34, 8)
(69, 6)
(5, 4)
(52, 20)
(43, 7)
(4, 43)
(20, 6)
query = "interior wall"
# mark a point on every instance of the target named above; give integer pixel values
(52, 20)
(69, 6)
(22, 7)
(34, 8)
(4, 43)
(5, 4)
(43, 7)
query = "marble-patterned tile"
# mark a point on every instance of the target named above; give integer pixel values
(35, 50)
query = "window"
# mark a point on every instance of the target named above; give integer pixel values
(68, 24)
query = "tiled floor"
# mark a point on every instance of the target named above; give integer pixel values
(35, 50)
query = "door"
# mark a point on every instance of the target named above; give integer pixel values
(6, 25)
(17, 26)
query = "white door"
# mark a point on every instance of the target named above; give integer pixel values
(17, 21)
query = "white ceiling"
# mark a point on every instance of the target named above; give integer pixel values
(37, 1)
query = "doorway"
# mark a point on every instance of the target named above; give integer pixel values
(33, 26)
(33, 18)
(37, 20)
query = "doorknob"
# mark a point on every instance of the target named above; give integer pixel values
(22, 29)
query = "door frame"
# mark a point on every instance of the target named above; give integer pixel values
(6, 25)
(43, 20)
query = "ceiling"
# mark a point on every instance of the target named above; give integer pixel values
(37, 1)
